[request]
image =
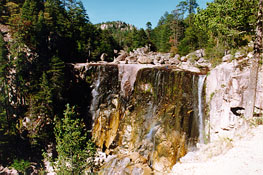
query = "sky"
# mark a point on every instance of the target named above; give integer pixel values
(136, 12)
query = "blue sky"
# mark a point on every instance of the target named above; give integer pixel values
(136, 12)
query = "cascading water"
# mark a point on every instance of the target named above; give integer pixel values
(201, 80)
(146, 110)
(94, 107)
(151, 137)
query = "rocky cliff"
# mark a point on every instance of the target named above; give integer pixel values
(226, 95)
(144, 115)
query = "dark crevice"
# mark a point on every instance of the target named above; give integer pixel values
(237, 110)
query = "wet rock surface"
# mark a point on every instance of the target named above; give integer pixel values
(143, 112)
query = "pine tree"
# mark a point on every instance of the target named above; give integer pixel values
(72, 146)
(7, 124)
(5, 108)
(3, 84)
(41, 114)
(192, 5)
(42, 101)
(30, 10)
(2, 10)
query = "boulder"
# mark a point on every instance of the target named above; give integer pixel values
(227, 87)
(103, 56)
(161, 61)
(239, 55)
(227, 58)
(250, 55)
(156, 62)
(144, 60)
(167, 62)
(158, 58)
(189, 67)
(141, 51)
(177, 56)
(131, 59)
(174, 61)
(121, 57)
(200, 53)
(201, 60)
(183, 59)
(5, 170)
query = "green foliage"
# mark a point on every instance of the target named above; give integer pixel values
(215, 54)
(105, 44)
(73, 146)
(21, 165)
(41, 112)
(162, 33)
(137, 39)
(226, 22)
(222, 26)
(5, 107)
(189, 42)
(126, 36)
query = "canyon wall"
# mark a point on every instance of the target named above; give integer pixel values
(226, 96)
(146, 116)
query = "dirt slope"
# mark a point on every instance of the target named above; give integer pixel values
(244, 156)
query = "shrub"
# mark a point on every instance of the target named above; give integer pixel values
(21, 165)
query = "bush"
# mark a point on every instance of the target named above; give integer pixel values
(215, 54)
(73, 146)
(21, 165)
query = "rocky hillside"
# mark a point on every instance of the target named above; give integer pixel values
(225, 94)
(116, 25)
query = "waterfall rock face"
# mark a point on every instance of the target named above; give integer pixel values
(144, 114)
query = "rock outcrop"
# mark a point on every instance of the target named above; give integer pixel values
(146, 107)
(142, 113)
(194, 62)
(226, 89)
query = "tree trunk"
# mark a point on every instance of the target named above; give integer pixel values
(252, 86)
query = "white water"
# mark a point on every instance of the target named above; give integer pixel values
(152, 131)
(95, 97)
(201, 80)
(151, 137)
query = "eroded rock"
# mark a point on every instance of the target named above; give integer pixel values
(132, 110)
(144, 60)
(227, 58)
(227, 87)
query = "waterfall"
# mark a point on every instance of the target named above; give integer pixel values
(151, 137)
(201, 80)
(94, 107)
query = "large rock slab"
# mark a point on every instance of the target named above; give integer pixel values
(226, 88)
(144, 60)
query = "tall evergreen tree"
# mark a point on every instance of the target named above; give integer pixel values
(72, 145)
(3, 84)
(7, 123)
(192, 5)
